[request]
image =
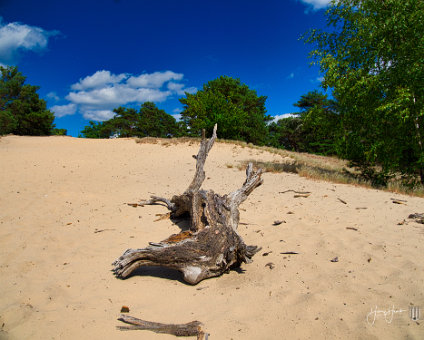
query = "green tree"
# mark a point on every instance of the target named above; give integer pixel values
(59, 132)
(320, 123)
(314, 129)
(155, 122)
(287, 133)
(96, 130)
(128, 122)
(125, 122)
(22, 112)
(238, 111)
(372, 57)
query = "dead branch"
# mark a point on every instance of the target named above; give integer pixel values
(193, 328)
(212, 246)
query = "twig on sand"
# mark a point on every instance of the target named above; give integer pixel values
(296, 192)
(344, 202)
(398, 201)
(193, 328)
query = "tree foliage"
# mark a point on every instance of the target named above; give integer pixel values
(95, 130)
(128, 122)
(314, 129)
(156, 123)
(372, 57)
(22, 112)
(239, 112)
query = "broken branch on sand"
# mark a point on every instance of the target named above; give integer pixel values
(212, 246)
(193, 328)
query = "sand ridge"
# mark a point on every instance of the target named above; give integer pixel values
(63, 221)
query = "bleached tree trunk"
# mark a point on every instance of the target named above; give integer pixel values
(212, 245)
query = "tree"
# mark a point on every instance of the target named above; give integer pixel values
(320, 123)
(287, 133)
(155, 122)
(373, 58)
(22, 112)
(314, 129)
(125, 122)
(239, 112)
(96, 130)
(59, 132)
(128, 122)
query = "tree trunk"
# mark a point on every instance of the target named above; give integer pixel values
(212, 245)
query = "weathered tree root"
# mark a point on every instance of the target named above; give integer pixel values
(212, 246)
(193, 328)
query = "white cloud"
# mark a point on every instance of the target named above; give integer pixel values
(98, 94)
(317, 4)
(320, 79)
(154, 80)
(64, 110)
(98, 115)
(178, 88)
(53, 96)
(117, 95)
(283, 116)
(16, 38)
(97, 80)
(177, 117)
(177, 114)
(191, 90)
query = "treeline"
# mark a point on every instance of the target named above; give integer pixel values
(240, 114)
(128, 122)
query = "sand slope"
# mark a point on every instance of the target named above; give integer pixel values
(57, 193)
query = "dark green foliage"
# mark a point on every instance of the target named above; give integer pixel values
(22, 112)
(96, 130)
(373, 59)
(128, 122)
(287, 133)
(320, 123)
(313, 130)
(238, 111)
(59, 132)
(125, 122)
(156, 123)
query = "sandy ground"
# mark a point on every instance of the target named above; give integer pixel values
(63, 221)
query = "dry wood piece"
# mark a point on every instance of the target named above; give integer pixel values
(193, 328)
(270, 265)
(352, 228)
(212, 246)
(344, 202)
(296, 192)
(398, 201)
(302, 195)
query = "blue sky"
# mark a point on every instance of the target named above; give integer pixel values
(89, 57)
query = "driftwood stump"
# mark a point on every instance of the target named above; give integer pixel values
(212, 245)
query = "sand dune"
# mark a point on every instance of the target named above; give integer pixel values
(63, 221)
